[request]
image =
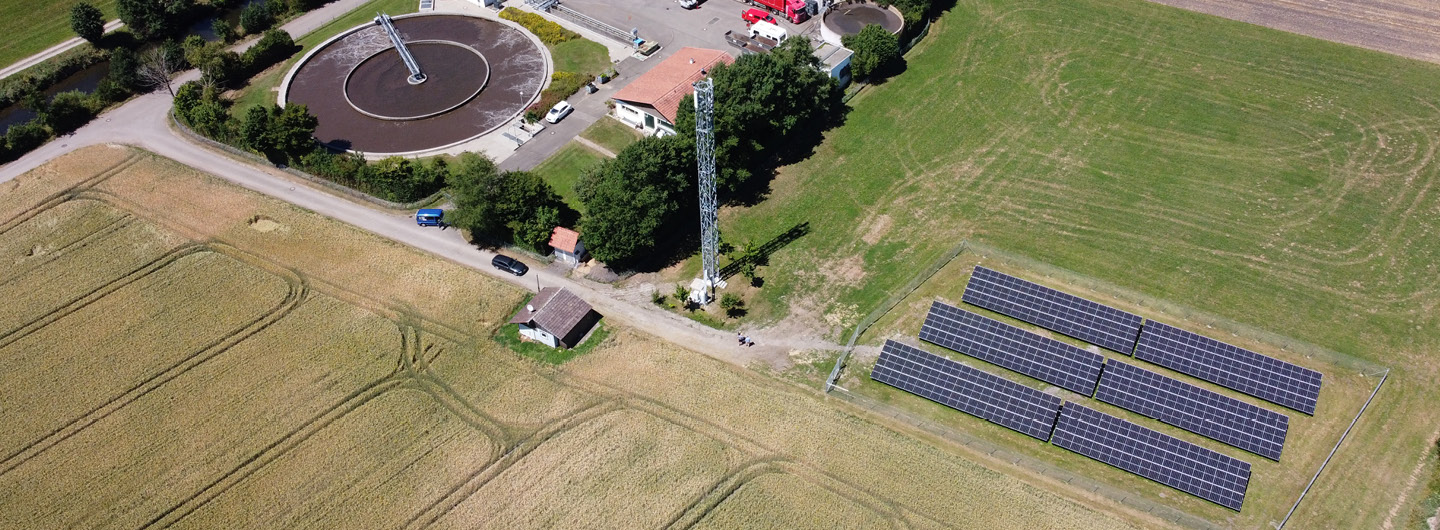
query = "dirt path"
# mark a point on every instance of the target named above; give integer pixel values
(1408, 28)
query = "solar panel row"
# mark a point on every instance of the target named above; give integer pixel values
(1165, 459)
(996, 342)
(1048, 308)
(967, 389)
(1215, 416)
(1229, 366)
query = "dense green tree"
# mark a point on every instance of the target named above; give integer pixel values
(255, 131)
(223, 30)
(187, 98)
(632, 201)
(123, 69)
(255, 18)
(211, 118)
(22, 138)
(88, 22)
(149, 19)
(769, 109)
(292, 130)
(222, 69)
(475, 187)
(67, 111)
(534, 232)
(506, 206)
(273, 47)
(877, 52)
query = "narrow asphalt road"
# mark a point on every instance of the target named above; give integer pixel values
(144, 122)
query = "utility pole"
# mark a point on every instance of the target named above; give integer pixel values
(709, 208)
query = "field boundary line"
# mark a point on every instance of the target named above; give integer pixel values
(1027, 465)
(696, 511)
(293, 298)
(110, 228)
(102, 291)
(69, 193)
(276, 449)
(889, 303)
(467, 488)
(1383, 377)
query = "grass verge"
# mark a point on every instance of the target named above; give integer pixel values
(611, 134)
(562, 170)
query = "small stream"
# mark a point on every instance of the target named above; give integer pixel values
(85, 81)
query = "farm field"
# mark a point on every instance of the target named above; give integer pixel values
(269, 368)
(1277, 183)
(30, 27)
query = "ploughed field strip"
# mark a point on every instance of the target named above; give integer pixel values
(998, 343)
(1230, 366)
(1209, 414)
(1054, 310)
(969, 390)
(1165, 459)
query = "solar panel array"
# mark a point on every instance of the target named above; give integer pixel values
(967, 389)
(996, 342)
(1215, 416)
(1054, 310)
(1165, 459)
(1229, 366)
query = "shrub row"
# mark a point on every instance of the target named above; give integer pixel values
(549, 32)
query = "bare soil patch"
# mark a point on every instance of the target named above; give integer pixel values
(1408, 28)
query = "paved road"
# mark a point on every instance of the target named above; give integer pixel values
(144, 122)
(52, 51)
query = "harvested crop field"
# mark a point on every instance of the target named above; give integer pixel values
(220, 375)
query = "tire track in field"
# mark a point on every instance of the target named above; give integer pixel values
(68, 193)
(100, 292)
(91, 238)
(432, 513)
(297, 293)
(744, 474)
(286, 443)
(721, 491)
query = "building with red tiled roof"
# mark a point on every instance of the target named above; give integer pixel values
(651, 102)
(567, 245)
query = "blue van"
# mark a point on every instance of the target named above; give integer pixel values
(429, 217)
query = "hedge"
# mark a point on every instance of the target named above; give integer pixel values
(549, 32)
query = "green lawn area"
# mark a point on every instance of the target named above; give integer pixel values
(611, 134)
(509, 335)
(563, 169)
(1273, 180)
(580, 56)
(261, 90)
(30, 27)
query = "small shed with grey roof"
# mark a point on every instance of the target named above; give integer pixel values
(556, 318)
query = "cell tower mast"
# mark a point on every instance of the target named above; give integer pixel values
(709, 214)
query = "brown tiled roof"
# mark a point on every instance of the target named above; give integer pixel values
(668, 82)
(557, 311)
(564, 239)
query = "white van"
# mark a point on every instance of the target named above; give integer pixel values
(766, 30)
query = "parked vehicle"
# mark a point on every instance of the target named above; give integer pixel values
(689, 4)
(559, 112)
(510, 265)
(752, 15)
(764, 31)
(430, 217)
(747, 44)
(792, 10)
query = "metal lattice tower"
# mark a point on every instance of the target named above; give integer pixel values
(705, 156)
(416, 76)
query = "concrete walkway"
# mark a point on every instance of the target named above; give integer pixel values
(52, 51)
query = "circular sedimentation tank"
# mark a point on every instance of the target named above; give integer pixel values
(480, 74)
(846, 19)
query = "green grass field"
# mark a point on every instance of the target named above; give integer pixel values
(580, 56)
(611, 134)
(30, 27)
(1280, 182)
(562, 170)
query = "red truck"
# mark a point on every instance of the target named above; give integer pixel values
(792, 10)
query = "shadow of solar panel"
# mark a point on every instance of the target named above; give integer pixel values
(1054, 310)
(998, 343)
(1159, 457)
(1230, 366)
(1215, 416)
(975, 392)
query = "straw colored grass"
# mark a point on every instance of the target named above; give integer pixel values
(770, 501)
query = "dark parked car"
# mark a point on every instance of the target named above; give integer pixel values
(509, 264)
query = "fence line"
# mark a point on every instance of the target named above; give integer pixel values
(915, 283)
(1333, 450)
